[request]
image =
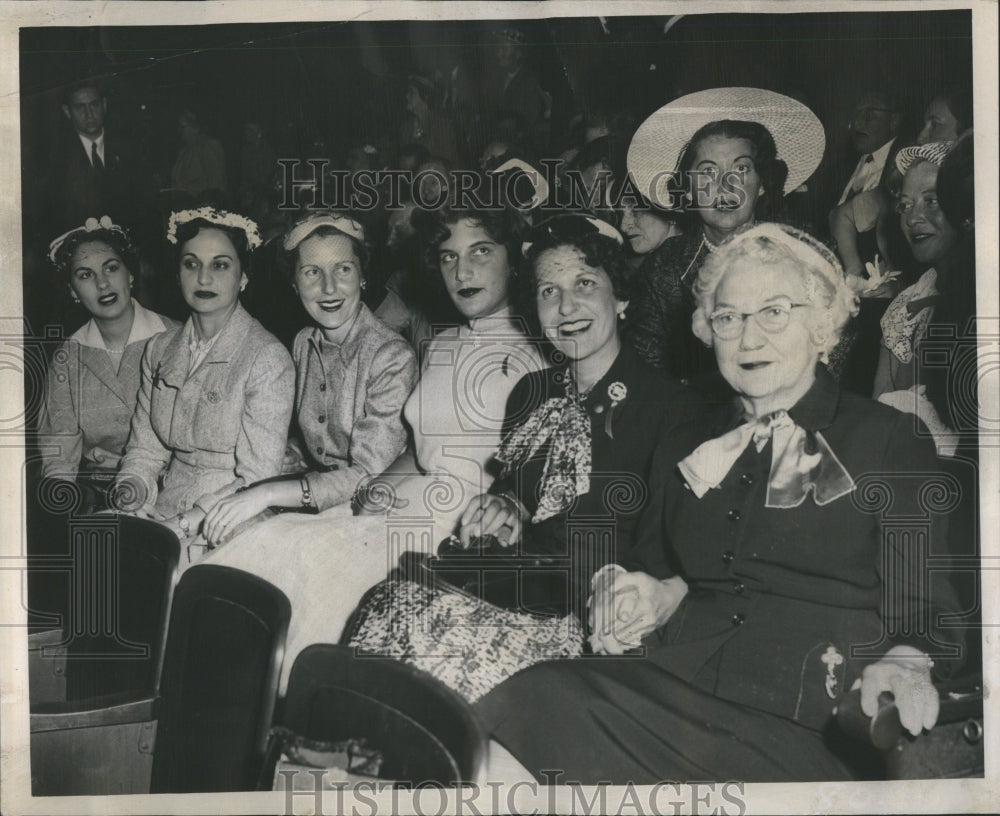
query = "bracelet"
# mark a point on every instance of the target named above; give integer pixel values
(184, 525)
(307, 499)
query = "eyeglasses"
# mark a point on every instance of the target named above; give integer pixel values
(929, 202)
(773, 319)
(868, 114)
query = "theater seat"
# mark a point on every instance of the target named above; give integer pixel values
(206, 730)
(118, 579)
(424, 731)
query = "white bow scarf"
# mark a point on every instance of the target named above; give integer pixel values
(566, 473)
(798, 465)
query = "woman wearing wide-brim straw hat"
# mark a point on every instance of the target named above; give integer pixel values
(725, 157)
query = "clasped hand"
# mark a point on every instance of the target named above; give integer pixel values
(228, 513)
(905, 672)
(627, 606)
(489, 514)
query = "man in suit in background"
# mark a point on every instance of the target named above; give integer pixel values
(92, 173)
(874, 126)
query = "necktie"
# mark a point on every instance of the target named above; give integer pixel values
(95, 158)
(860, 177)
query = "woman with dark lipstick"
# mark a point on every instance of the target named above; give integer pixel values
(216, 394)
(737, 153)
(772, 571)
(944, 296)
(455, 414)
(93, 379)
(353, 376)
(456, 411)
(578, 443)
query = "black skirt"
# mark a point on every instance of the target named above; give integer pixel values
(620, 720)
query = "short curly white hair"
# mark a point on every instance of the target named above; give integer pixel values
(774, 245)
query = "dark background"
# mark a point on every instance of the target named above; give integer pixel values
(345, 81)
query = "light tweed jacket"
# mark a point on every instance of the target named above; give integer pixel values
(199, 436)
(88, 405)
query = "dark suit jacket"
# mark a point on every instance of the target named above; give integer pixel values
(77, 191)
(771, 590)
(599, 525)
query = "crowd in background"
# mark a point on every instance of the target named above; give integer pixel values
(260, 354)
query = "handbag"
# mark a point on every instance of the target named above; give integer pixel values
(489, 571)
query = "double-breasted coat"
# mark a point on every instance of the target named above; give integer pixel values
(200, 435)
(785, 606)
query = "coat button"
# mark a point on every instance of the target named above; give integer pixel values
(321, 418)
(739, 587)
(322, 386)
(598, 409)
(727, 557)
(738, 619)
(734, 515)
(746, 479)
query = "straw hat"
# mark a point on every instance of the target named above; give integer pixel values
(934, 152)
(660, 141)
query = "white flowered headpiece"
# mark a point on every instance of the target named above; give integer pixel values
(223, 218)
(104, 223)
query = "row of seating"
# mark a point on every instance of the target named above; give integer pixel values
(153, 685)
(180, 695)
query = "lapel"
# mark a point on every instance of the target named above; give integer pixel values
(231, 338)
(172, 368)
(99, 364)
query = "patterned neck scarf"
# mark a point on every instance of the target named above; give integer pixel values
(563, 421)
(801, 462)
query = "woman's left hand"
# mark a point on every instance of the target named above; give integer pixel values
(636, 603)
(905, 672)
(231, 511)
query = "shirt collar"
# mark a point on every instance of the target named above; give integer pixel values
(498, 321)
(86, 141)
(882, 154)
(144, 325)
(347, 349)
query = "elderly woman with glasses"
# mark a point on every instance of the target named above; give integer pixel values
(768, 511)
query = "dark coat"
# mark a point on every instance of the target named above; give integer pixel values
(772, 589)
(659, 314)
(77, 191)
(598, 526)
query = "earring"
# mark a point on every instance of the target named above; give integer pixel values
(363, 284)
(621, 315)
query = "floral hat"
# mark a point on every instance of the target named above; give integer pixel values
(661, 140)
(222, 218)
(104, 223)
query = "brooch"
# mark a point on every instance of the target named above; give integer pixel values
(832, 658)
(213, 397)
(617, 393)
